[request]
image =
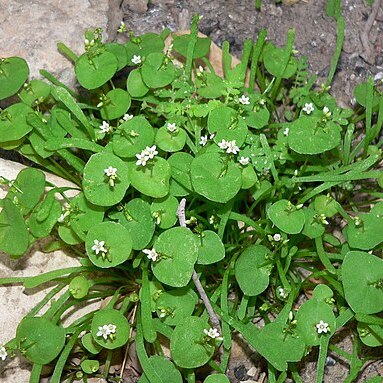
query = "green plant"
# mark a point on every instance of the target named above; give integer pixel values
(204, 204)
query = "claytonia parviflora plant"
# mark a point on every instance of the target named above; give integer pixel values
(200, 206)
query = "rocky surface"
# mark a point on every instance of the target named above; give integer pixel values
(31, 29)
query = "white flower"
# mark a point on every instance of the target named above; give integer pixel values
(110, 171)
(244, 100)
(106, 330)
(212, 135)
(244, 160)
(212, 333)
(122, 27)
(105, 127)
(203, 140)
(232, 147)
(99, 246)
(151, 151)
(308, 108)
(277, 237)
(163, 313)
(171, 127)
(62, 217)
(223, 144)
(322, 327)
(3, 353)
(200, 68)
(127, 117)
(326, 112)
(142, 158)
(151, 254)
(286, 132)
(136, 59)
(282, 292)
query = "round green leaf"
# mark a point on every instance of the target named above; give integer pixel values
(211, 248)
(96, 184)
(366, 235)
(90, 366)
(117, 242)
(79, 287)
(306, 136)
(14, 72)
(251, 272)
(152, 179)
(93, 72)
(170, 142)
(286, 217)
(201, 48)
(13, 122)
(165, 370)
(258, 119)
(14, 237)
(179, 249)
(274, 58)
(135, 85)
(187, 344)
(176, 305)
(117, 104)
(370, 334)
(83, 215)
(180, 182)
(217, 378)
(132, 137)
(362, 274)
(325, 204)
(35, 90)
(164, 211)
(226, 124)
(309, 315)
(120, 52)
(249, 177)
(90, 345)
(216, 177)
(143, 45)
(136, 217)
(114, 317)
(157, 71)
(156, 289)
(312, 228)
(39, 339)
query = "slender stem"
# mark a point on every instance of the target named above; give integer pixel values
(201, 291)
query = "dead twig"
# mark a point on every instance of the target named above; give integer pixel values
(367, 54)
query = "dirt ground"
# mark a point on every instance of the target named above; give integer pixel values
(238, 20)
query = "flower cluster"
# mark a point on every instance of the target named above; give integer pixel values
(229, 146)
(147, 154)
(106, 331)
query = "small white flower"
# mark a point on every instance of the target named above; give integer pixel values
(308, 108)
(122, 27)
(127, 117)
(110, 171)
(244, 160)
(326, 112)
(244, 100)
(212, 333)
(200, 69)
(99, 246)
(142, 158)
(322, 327)
(151, 151)
(136, 59)
(151, 254)
(212, 135)
(282, 292)
(105, 127)
(232, 147)
(223, 144)
(203, 140)
(277, 237)
(262, 101)
(286, 132)
(3, 353)
(172, 127)
(62, 217)
(106, 330)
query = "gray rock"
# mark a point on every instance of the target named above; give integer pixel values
(138, 6)
(32, 29)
